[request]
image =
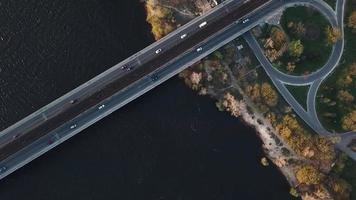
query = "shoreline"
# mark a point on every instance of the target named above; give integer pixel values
(295, 164)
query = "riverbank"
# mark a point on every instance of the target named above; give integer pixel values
(232, 76)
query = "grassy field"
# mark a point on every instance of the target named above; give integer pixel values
(329, 89)
(300, 94)
(316, 52)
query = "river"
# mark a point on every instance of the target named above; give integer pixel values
(168, 144)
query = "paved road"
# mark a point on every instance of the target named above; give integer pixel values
(333, 60)
(226, 31)
(313, 80)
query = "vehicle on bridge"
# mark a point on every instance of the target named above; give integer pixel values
(130, 68)
(101, 106)
(73, 101)
(202, 24)
(199, 49)
(154, 78)
(183, 36)
(73, 126)
(3, 169)
(158, 51)
(245, 21)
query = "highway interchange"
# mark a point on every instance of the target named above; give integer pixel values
(138, 87)
(314, 79)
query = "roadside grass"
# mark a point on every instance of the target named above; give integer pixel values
(329, 89)
(316, 52)
(282, 103)
(300, 94)
(247, 52)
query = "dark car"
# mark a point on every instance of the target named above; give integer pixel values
(3, 169)
(123, 67)
(129, 68)
(154, 77)
(50, 141)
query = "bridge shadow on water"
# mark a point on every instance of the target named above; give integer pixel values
(168, 144)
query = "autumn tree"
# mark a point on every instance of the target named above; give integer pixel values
(195, 79)
(332, 34)
(349, 121)
(296, 48)
(345, 96)
(308, 175)
(231, 104)
(352, 69)
(269, 95)
(278, 38)
(298, 29)
(352, 21)
(253, 91)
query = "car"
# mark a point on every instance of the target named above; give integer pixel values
(202, 24)
(154, 77)
(3, 169)
(101, 107)
(123, 67)
(183, 36)
(73, 126)
(73, 101)
(50, 141)
(245, 21)
(199, 49)
(16, 136)
(158, 51)
(129, 68)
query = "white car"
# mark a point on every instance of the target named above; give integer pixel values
(73, 126)
(199, 49)
(101, 107)
(245, 21)
(202, 24)
(183, 36)
(158, 51)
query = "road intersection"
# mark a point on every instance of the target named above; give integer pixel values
(313, 80)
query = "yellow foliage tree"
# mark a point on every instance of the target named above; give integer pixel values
(333, 34)
(345, 96)
(349, 121)
(308, 175)
(278, 38)
(352, 21)
(269, 95)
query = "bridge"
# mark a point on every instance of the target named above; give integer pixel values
(73, 112)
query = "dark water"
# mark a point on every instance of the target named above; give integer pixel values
(168, 144)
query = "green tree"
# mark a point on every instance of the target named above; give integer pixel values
(296, 48)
